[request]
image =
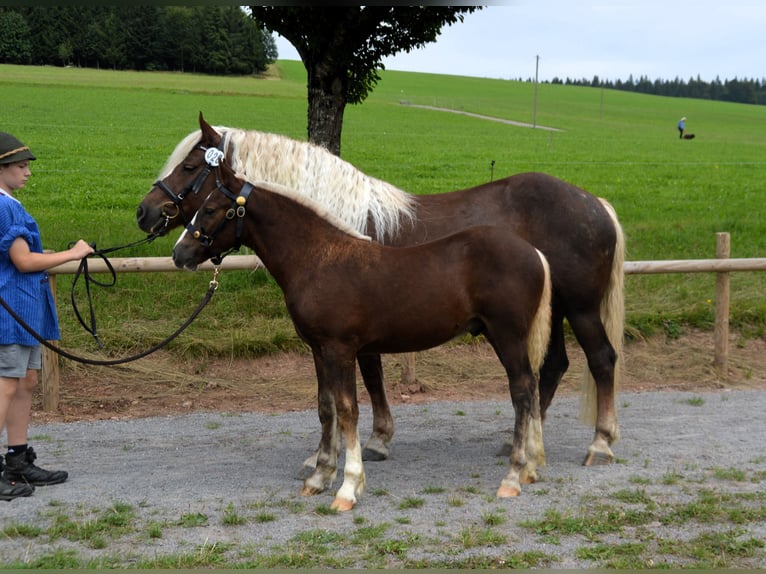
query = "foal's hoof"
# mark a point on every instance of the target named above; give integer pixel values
(598, 457)
(508, 491)
(342, 504)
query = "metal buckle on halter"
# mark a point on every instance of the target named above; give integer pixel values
(241, 201)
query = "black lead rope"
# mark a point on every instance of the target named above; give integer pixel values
(205, 300)
(83, 271)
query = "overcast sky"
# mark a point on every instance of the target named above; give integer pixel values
(584, 38)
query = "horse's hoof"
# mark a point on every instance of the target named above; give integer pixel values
(342, 504)
(369, 454)
(508, 491)
(594, 458)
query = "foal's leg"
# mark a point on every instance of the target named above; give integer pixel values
(353, 472)
(522, 384)
(379, 444)
(522, 394)
(326, 457)
(338, 409)
(535, 448)
(601, 358)
(552, 370)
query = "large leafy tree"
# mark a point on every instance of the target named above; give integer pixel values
(342, 48)
(204, 39)
(15, 41)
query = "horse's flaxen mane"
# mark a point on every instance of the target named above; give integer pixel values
(314, 206)
(312, 171)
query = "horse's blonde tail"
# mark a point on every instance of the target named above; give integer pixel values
(613, 317)
(540, 331)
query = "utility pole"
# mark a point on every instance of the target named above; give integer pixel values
(537, 67)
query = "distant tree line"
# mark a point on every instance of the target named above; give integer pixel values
(745, 91)
(204, 39)
(225, 40)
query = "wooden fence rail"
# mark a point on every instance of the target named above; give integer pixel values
(721, 266)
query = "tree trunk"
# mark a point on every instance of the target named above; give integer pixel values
(326, 105)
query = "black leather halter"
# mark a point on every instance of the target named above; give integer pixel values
(236, 211)
(193, 187)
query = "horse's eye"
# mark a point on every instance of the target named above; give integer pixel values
(209, 211)
(189, 167)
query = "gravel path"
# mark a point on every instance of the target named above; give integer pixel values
(434, 497)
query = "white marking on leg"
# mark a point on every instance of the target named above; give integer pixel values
(353, 478)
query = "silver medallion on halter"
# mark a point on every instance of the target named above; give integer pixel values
(213, 156)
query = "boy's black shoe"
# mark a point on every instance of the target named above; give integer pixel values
(21, 468)
(11, 490)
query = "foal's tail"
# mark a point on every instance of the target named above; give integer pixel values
(540, 331)
(613, 318)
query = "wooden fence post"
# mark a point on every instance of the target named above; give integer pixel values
(49, 374)
(721, 335)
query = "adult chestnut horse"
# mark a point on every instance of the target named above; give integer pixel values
(349, 296)
(578, 232)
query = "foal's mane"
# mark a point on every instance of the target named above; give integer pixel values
(312, 171)
(319, 209)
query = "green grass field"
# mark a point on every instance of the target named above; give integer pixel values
(102, 136)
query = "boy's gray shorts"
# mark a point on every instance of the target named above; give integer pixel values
(16, 359)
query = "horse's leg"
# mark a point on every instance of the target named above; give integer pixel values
(552, 370)
(379, 444)
(601, 359)
(326, 463)
(521, 383)
(535, 448)
(353, 471)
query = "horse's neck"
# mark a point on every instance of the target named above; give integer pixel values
(285, 234)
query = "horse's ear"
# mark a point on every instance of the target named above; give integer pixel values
(209, 135)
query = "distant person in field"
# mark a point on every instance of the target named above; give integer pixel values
(24, 286)
(681, 127)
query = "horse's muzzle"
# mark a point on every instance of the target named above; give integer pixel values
(182, 261)
(151, 222)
